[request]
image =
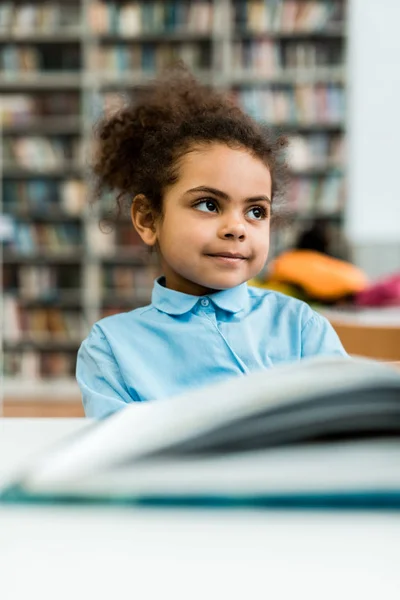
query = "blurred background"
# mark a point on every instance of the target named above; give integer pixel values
(325, 72)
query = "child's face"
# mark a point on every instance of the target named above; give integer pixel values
(214, 233)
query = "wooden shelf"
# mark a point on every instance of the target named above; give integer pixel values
(41, 398)
(323, 171)
(39, 81)
(333, 32)
(135, 257)
(289, 76)
(302, 127)
(129, 79)
(59, 298)
(112, 299)
(156, 36)
(18, 172)
(42, 389)
(42, 257)
(237, 78)
(46, 215)
(45, 126)
(21, 408)
(42, 37)
(43, 346)
(334, 216)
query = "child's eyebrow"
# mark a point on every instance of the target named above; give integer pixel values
(225, 196)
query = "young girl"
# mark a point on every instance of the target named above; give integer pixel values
(202, 179)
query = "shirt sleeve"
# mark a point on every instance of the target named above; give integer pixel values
(99, 377)
(319, 338)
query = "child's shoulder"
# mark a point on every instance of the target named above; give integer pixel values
(274, 297)
(121, 320)
(277, 302)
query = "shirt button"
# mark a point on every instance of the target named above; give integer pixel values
(204, 302)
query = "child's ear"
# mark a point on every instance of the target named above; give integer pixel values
(143, 219)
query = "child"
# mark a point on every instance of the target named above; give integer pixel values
(203, 180)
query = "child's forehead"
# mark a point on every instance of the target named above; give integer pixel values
(213, 163)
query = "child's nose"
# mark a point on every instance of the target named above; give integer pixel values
(233, 228)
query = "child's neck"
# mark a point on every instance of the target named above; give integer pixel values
(187, 287)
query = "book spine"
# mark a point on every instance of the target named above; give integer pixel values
(300, 104)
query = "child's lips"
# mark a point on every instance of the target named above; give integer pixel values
(228, 258)
(236, 255)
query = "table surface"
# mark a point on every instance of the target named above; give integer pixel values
(388, 316)
(86, 552)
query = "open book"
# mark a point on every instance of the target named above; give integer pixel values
(320, 432)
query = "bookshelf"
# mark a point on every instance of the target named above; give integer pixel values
(61, 64)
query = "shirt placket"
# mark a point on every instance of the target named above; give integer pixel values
(207, 310)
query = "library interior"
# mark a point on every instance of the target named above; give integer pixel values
(307, 68)
(282, 484)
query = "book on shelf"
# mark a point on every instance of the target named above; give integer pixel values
(57, 104)
(36, 281)
(262, 57)
(39, 109)
(130, 283)
(321, 432)
(315, 150)
(44, 198)
(119, 279)
(33, 59)
(113, 308)
(7, 229)
(58, 237)
(283, 105)
(16, 109)
(19, 60)
(136, 18)
(270, 57)
(25, 365)
(42, 153)
(300, 104)
(101, 242)
(112, 236)
(57, 364)
(45, 324)
(257, 16)
(127, 236)
(324, 195)
(332, 199)
(73, 196)
(150, 57)
(309, 55)
(34, 366)
(12, 329)
(39, 17)
(55, 284)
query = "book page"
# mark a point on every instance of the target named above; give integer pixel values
(144, 428)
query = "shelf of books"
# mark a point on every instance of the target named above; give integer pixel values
(61, 64)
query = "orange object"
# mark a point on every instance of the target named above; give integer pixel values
(320, 276)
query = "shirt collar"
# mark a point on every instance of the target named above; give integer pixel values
(172, 302)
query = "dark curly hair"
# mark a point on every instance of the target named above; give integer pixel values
(138, 146)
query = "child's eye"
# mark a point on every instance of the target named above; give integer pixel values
(257, 212)
(207, 205)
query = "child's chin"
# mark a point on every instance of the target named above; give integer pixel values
(222, 283)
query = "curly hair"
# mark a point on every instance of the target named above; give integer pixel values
(138, 146)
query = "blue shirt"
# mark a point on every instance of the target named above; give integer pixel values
(181, 341)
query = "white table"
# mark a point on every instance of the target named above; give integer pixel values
(90, 553)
